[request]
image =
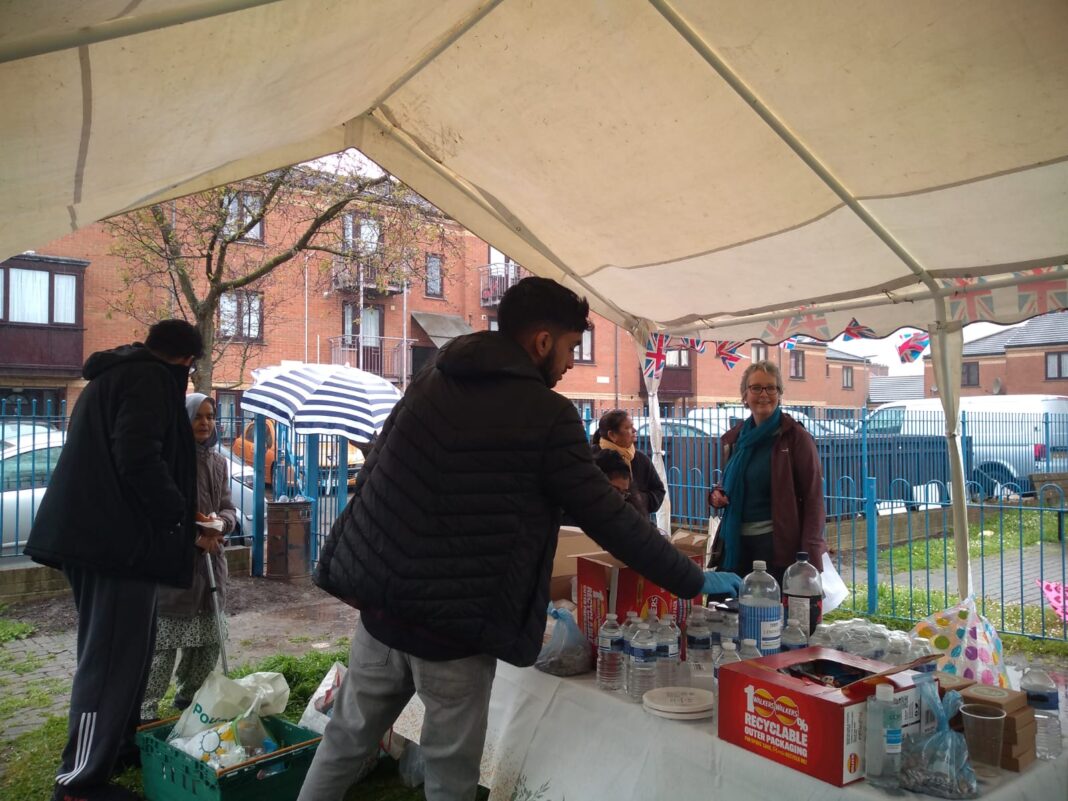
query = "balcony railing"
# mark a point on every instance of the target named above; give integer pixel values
(389, 357)
(346, 274)
(496, 279)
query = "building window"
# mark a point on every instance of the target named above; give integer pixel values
(434, 288)
(584, 350)
(362, 232)
(492, 324)
(241, 316)
(797, 364)
(1057, 365)
(969, 374)
(585, 408)
(677, 358)
(38, 297)
(241, 209)
(847, 378)
(760, 353)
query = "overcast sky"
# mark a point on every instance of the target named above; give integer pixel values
(884, 351)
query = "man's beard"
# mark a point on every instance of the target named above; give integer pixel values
(545, 368)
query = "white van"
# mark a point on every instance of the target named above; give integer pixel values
(1012, 436)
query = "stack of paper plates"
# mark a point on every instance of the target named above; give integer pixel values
(679, 703)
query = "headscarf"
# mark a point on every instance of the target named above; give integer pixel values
(192, 405)
(753, 436)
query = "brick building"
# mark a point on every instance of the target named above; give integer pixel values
(1029, 359)
(57, 306)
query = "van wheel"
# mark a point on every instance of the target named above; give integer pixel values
(995, 481)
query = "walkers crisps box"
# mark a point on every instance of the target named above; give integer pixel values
(606, 585)
(801, 723)
(570, 542)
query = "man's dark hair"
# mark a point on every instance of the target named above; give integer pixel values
(612, 464)
(536, 303)
(175, 339)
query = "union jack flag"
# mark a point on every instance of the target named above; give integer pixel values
(788, 344)
(912, 346)
(655, 355)
(1041, 296)
(695, 343)
(813, 324)
(725, 352)
(857, 331)
(968, 304)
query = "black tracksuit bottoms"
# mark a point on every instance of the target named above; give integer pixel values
(116, 639)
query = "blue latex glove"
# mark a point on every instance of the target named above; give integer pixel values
(717, 583)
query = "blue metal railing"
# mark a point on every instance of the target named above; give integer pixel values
(886, 487)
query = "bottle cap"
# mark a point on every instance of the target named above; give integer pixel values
(802, 556)
(884, 692)
(611, 616)
(760, 564)
(644, 626)
(748, 641)
(729, 645)
(793, 621)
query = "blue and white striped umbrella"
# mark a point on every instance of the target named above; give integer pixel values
(324, 399)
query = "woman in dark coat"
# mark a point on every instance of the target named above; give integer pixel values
(616, 432)
(187, 617)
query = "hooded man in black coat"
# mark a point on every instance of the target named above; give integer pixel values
(118, 518)
(447, 546)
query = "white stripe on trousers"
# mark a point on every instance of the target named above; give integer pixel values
(86, 729)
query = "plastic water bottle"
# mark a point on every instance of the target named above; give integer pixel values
(1042, 696)
(760, 610)
(749, 650)
(630, 628)
(667, 652)
(729, 627)
(882, 745)
(610, 666)
(642, 663)
(793, 636)
(700, 653)
(727, 655)
(802, 593)
(822, 636)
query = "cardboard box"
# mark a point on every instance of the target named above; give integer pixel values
(1017, 764)
(801, 723)
(1001, 697)
(950, 681)
(1020, 720)
(570, 542)
(606, 585)
(1023, 741)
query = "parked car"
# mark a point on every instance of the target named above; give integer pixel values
(1012, 436)
(26, 465)
(15, 429)
(244, 448)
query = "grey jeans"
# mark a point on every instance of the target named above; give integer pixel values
(378, 685)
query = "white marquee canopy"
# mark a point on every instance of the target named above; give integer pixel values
(724, 169)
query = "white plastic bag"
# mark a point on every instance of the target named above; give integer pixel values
(321, 705)
(220, 699)
(834, 589)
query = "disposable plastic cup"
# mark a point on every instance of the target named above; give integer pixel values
(983, 729)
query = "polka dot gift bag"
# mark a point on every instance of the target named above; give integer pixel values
(969, 644)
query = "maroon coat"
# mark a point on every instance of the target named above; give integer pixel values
(798, 514)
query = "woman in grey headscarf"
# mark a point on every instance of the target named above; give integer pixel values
(186, 617)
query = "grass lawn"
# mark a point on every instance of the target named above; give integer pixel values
(31, 760)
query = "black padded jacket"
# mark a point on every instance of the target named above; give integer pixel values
(447, 545)
(123, 493)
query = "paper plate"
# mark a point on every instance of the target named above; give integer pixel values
(679, 700)
(681, 715)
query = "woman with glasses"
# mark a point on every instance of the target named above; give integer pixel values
(615, 432)
(772, 492)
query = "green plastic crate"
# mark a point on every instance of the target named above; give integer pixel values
(171, 775)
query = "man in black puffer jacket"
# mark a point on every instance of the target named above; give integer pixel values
(447, 546)
(118, 518)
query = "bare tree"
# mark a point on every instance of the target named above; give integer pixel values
(209, 257)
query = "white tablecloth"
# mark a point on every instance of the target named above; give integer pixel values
(552, 739)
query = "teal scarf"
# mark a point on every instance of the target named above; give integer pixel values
(753, 436)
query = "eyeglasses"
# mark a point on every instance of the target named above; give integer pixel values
(757, 389)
